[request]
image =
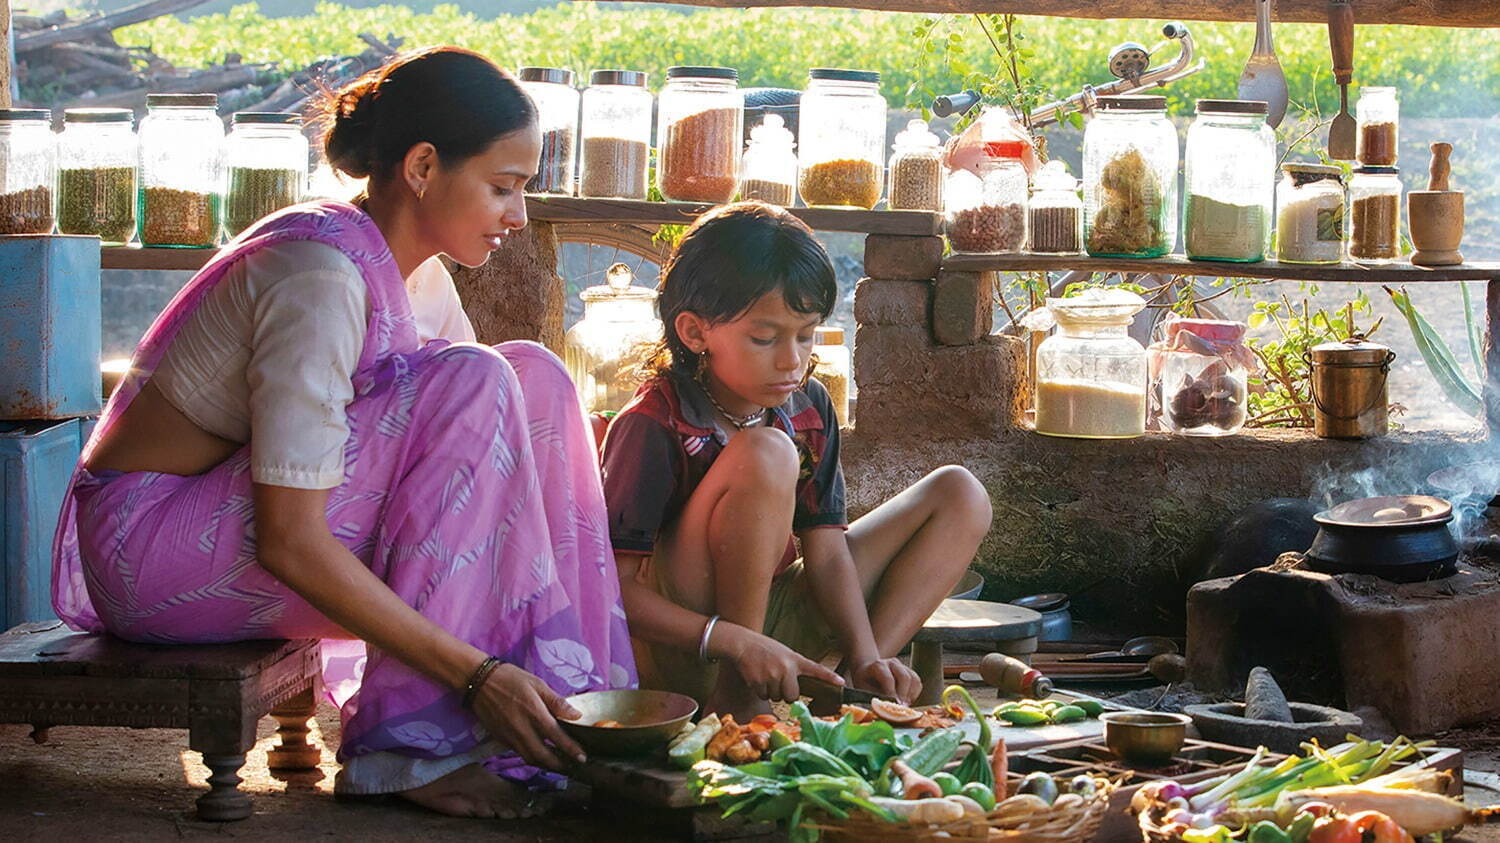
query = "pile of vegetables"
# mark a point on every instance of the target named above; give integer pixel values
(1046, 712)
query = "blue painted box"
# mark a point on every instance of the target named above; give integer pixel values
(49, 327)
(37, 460)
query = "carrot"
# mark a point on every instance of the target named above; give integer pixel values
(1000, 767)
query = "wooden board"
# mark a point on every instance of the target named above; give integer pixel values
(51, 649)
(136, 257)
(574, 209)
(1396, 273)
(979, 620)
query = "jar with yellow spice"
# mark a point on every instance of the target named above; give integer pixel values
(842, 139)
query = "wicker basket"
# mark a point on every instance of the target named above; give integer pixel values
(1072, 822)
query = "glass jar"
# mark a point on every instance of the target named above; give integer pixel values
(1230, 182)
(699, 125)
(1130, 179)
(769, 172)
(842, 139)
(181, 184)
(916, 169)
(1055, 211)
(1310, 214)
(834, 368)
(551, 88)
(28, 153)
(1091, 374)
(267, 158)
(987, 212)
(1374, 215)
(616, 129)
(1201, 370)
(604, 351)
(1379, 117)
(96, 164)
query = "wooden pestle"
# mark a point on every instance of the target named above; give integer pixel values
(1441, 169)
(1435, 216)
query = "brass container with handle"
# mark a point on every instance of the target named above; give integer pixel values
(1349, 388)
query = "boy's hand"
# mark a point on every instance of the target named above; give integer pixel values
(889, 678)
(770, 669)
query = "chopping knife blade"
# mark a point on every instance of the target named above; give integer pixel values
(820, 690)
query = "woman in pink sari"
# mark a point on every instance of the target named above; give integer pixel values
(289, 459)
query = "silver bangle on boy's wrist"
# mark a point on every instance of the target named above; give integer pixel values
(708, 629)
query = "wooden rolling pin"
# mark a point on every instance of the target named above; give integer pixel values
(1014, 676)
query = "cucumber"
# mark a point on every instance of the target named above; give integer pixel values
(692, 749)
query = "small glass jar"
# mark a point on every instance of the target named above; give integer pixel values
(1310, 214)
(1056, 212)
(1230, 182)
(1091, 374)
(916, 169)
(181, 182)
(267, 156)
(28, 153)
(769, 172)
(1201, 372)
(96, 163)
(699, 133)
(987, 212)
(1379, 117)
(834, 368)
(551, 88)
(604, 351)
(1374, 215)
(616, 129)
(1130, 179)
(842, 139)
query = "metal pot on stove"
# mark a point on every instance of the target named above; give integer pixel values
(1402, 538)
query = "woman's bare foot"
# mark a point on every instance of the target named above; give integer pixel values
(472, 791)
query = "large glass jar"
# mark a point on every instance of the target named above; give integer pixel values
(699, 125)
(769, 171)
(605, 350)
(1310, 214)
(28, 154)
(551, 88)
(1130, 178)
(1374, 226)
(1379, 117)
(267, 157)
(96, 164)
(987, 212)
(181, 184)
(916, 169)
(616, 128)
(1091, 374)
(1201, 366)
(842, 139)
(1055, 211)
(1230, 182)
(834, 368)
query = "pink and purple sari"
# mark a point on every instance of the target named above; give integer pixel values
(471, 489)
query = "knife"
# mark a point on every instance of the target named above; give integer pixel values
(821, 691)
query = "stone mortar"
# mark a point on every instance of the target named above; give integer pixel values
(1223, 723)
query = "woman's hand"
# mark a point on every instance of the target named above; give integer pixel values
(520, 711)
(768, 667)
(889, 678)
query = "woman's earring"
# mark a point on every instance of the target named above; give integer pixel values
(421, 191)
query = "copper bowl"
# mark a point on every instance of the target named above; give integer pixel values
(1144, 737)
(649, 720)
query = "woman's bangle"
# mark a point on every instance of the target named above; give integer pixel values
(476, 680)
(708, 629)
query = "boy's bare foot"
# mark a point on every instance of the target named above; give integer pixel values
(473, 791)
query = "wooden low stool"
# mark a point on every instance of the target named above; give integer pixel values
(52, 676)
(1012, 630)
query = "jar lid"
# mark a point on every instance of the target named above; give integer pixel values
(1214, 330)
(828, 335)
(693, 72)
(1355, 350)
(182, 100)
(834, 74)
(555, 75)
(618, 77)
(9, 114)
(916, 134)
(1377, 171)
(1054, 175)
(1233, 107)
(1005, 149)
(772, 131)
(1309, 173)
(1109, 305)
(1133, 102)
(269, 118)
(617, 286)
(97, 115)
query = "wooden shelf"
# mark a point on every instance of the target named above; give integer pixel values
(574, 209)
(137, 257)
(1395, 273)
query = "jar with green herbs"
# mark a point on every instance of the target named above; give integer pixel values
(96, 164)
(181, 184)
(28, 169)
(267, 156)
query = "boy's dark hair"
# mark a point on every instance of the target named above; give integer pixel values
(729, 258)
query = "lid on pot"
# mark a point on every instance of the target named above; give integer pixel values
(1388, 511)
(1049, 602)
(1351, 352)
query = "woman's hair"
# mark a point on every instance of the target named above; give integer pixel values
(455, 99)
(729, 258)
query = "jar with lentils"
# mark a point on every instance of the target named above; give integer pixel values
(181, 185)
(96, 164)
(841, 139)
(29, 157)
(916, 169)
(268, 156)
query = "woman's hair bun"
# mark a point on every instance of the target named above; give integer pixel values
(348, 139)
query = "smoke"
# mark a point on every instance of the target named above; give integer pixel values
(1466, 472)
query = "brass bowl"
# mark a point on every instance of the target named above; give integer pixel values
(651, 718)
(1144, 737)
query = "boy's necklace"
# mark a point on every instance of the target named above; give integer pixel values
(740, 422)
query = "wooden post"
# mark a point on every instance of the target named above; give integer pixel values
(5, 70)
(1491, 388)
